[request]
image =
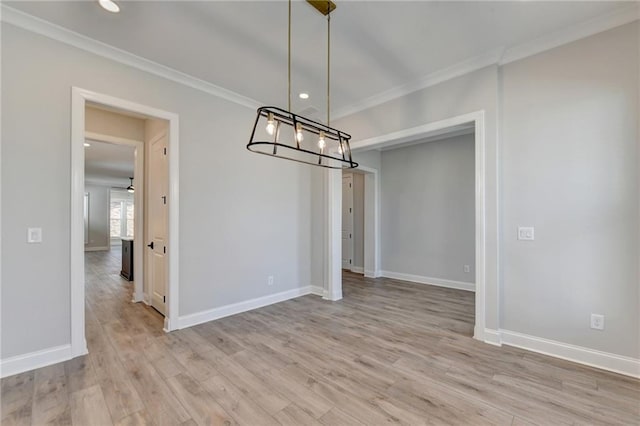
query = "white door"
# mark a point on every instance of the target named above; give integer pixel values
(158, 203)
(347, 221)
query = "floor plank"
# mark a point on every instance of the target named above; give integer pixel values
(389, 352)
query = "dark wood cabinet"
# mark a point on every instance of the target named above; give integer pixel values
(127, 259)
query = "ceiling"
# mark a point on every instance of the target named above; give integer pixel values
(109, 163)
(376, 45)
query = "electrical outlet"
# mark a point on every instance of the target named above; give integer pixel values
(597, 321)
(34, 235)
(270, 280)
(466, 268)
(526, 233)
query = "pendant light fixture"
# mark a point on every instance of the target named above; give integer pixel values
(281, 133)
(130, 188)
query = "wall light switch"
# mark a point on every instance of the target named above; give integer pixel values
(34, 235)
(526, 233)
(466, 268)
(597, 322)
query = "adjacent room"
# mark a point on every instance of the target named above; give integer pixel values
(442, 226)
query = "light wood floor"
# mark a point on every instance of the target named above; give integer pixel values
(390, 352)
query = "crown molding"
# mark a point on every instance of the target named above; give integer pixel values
(40, 26)
(499, 57)
(460, 69)
(616, 18)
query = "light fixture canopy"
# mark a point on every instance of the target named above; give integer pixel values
(281, 133)
(130, 188)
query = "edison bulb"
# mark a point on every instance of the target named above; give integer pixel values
(299, 136)
(271, 126)
(321, 142)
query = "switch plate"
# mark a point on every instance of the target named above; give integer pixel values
(466, 268)
(597, 321)
(270, 280)
(34, 235)
(526, 233)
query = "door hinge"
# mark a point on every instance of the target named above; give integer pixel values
(349, 185)
(349, 235)
(165, 151)
(164, 299)
(349, 261)
(349, 209)
(164, 199)
(164, 249)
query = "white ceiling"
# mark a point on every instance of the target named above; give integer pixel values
(376, 45)
(110, 163)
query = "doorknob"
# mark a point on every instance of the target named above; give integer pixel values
(150, 245)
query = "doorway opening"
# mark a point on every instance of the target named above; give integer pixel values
(472, 121)
(143, 213)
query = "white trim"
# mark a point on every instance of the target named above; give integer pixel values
(102, 248)
(333, 255)
(32, 360)
(591, 357)
(317, 290)
(72, 38)
(498, 56)
(79, 98)
(110, 183)
(492, 337)
(240, 307)
(482, 256)
(439, 282)
(465, 67)
(616, 18)
(357, 269)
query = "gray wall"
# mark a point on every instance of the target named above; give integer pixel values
(571, 170)
(427, 211)
(98, 216)
(242, 216)
(566, 149)
(358, 220)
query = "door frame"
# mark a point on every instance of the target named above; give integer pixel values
(483, 256)
(79, 98)
(138, 201)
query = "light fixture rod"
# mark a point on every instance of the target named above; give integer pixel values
(328, 63)
(289, 60)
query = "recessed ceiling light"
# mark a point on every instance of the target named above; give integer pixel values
(87, 144)
(304, 95)
(109, 5)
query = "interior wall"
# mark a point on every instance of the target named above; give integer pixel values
(477, 91)
(113, 124)
(358, 220)
(98, 216)
(571, 171)
(243, 216)
(427, 211)
(566, 148)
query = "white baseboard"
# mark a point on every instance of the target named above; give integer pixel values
(460, 285)
(104, 248)
(491, 337)
(371, 274)
(31, 361)
(248, 305)
(317, 290)
(591, 357)
(357, 269)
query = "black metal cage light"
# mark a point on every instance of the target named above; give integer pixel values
(281, 133)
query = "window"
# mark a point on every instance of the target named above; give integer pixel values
(121, 214)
